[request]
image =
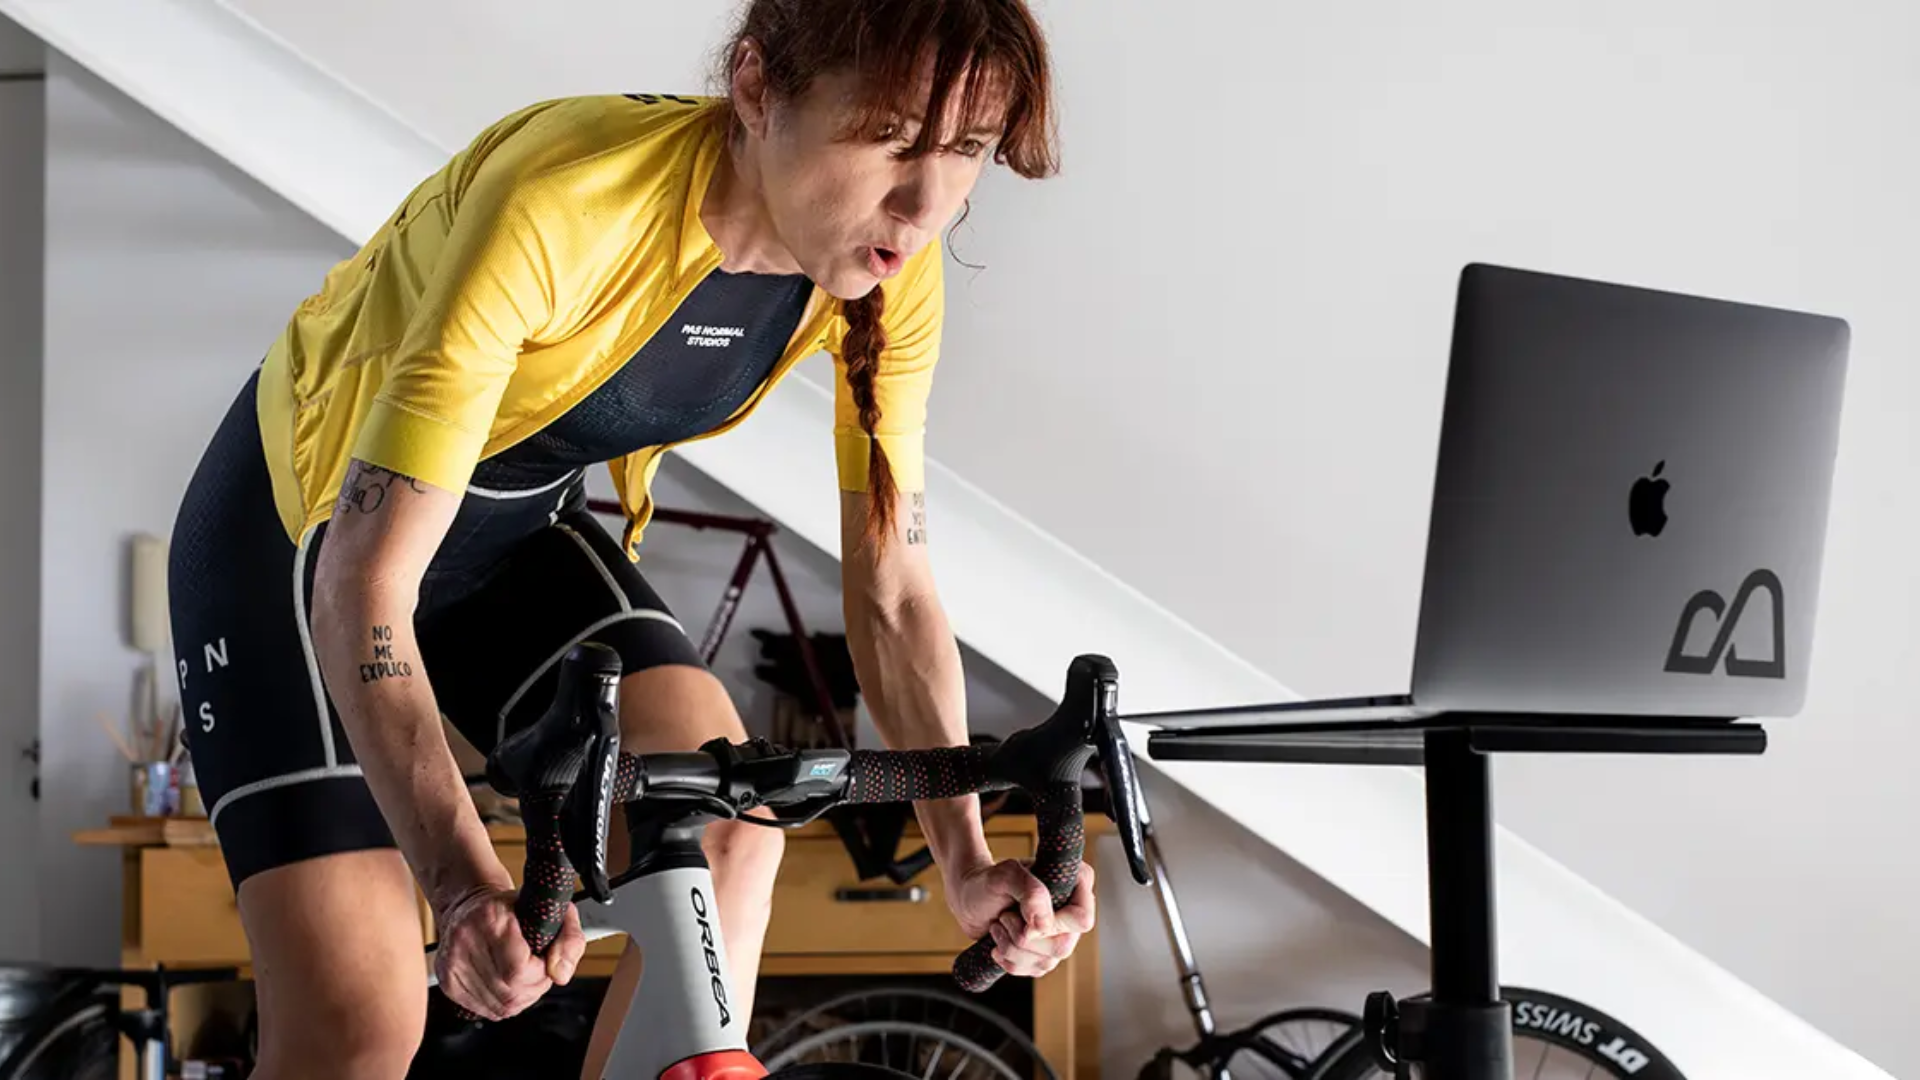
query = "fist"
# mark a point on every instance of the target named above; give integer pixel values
(483, 960)
(1004, 900)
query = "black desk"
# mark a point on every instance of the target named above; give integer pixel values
(1462, 1030)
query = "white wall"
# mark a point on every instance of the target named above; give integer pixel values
(1252, 251)
(22, 205)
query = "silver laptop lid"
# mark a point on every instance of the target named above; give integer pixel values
(1630, 501)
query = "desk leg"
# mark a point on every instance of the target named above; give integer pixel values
(130, 955)
(1053, 1018)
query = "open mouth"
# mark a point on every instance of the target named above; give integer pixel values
(884, 262)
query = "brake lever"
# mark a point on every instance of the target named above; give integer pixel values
(1116, 765)
(589, 803)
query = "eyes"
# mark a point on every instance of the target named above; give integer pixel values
(972, 146)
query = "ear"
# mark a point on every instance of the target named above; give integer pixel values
(748, 85)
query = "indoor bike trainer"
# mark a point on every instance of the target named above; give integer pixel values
(1461, 1030)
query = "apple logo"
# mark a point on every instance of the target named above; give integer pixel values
(1647, 503)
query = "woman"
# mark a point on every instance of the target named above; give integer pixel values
(389, 525)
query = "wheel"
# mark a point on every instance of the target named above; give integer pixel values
(1554, 1038)
(1288, 1044)
(839, 1071)
(74, 1041)
(1280, 1046)
(908, 1028)
(927, 1050)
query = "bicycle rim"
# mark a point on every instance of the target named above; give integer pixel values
(80, 1045)
(1554, 1038)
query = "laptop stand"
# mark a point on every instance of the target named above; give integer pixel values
(1462, 1030)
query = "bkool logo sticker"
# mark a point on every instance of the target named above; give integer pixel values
(1774, 667)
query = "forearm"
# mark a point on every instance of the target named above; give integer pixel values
(370, 660)
(909, 668)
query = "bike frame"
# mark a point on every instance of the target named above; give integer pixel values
(759, 533)
(684, 1022)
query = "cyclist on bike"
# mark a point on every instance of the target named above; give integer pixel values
(389, 525)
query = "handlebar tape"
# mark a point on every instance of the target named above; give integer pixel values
(1063, 839)
(874, 776)
(943, 772)
(946, 772)
(547, 889)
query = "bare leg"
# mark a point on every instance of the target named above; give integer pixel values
(339, 967)
(678, 708)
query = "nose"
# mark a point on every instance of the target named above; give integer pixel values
(917, 196)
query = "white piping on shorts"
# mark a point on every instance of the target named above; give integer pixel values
(606, 575)
(306, 647)
(489, 493)
(500, 732)
(304, 776)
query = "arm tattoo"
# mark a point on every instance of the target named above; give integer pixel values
(366, 486)
(384, 666)
(917, 528)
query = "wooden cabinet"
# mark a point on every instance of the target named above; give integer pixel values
(821, 906)
(187, 913)
(181, 911)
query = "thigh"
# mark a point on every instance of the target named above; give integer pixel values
(675, 708)
(494, 652)
(339, 965)
(274, 767)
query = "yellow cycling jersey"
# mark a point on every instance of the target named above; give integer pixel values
(518, 278)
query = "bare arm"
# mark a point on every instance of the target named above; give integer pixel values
(908, 663)
(383, 534)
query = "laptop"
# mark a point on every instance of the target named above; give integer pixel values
(1629, 509)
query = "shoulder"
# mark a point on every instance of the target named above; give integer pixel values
(595, 154)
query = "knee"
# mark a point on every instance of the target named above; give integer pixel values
(374, 1044)
(745, 852)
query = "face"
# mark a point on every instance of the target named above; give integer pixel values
(848, 207)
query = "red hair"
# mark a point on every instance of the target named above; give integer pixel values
(990, 52)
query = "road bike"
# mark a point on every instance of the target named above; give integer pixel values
(568, 773)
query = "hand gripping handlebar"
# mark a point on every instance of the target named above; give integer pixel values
(567, 770)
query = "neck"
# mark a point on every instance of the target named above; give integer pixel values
(734, 213)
